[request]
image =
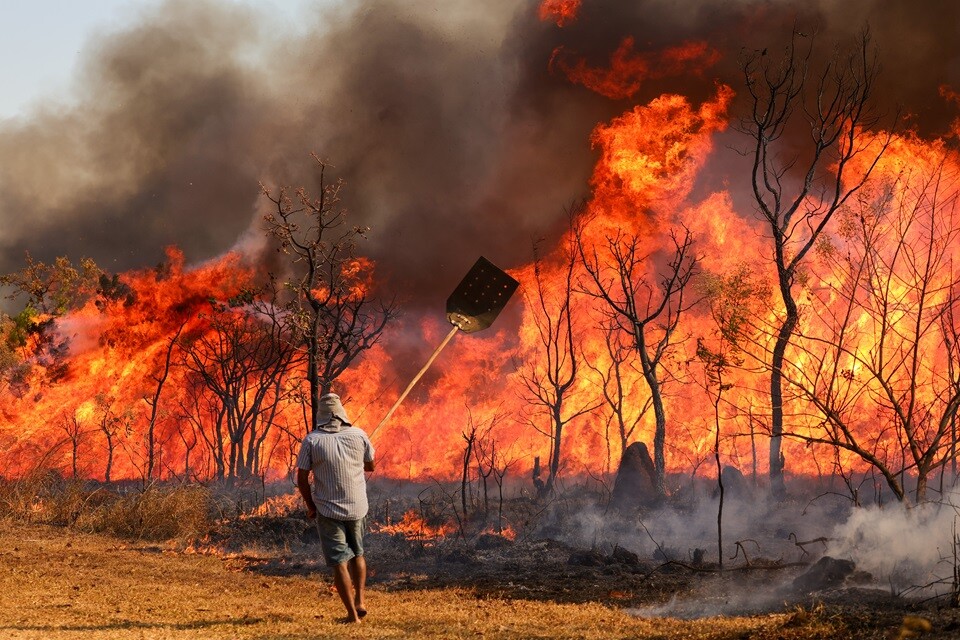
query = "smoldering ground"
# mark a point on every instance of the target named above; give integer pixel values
(775, 555)
(452, 132)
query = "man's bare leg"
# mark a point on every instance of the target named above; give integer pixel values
(358, 572)
(341, 579)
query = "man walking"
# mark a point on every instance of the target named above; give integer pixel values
(338, 454)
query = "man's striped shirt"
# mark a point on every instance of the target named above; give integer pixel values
(336, 459)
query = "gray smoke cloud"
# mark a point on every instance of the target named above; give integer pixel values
(895, 550)
(453, 136)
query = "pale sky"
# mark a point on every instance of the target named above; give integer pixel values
(41, 40)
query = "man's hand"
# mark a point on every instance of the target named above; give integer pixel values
(303, 483)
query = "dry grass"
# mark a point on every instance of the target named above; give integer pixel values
(156, 513)
(61, 584)
(62, 579)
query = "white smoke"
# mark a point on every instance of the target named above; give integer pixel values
(909, 549)
(896, 550)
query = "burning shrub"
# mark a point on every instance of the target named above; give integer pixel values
(280, 506)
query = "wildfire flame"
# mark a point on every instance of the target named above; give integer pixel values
(413, 527)
(651, 161)
(627, 70)
(563, 12)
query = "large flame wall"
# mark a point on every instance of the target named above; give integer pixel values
(660, 164)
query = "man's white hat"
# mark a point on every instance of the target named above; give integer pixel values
(330, 414)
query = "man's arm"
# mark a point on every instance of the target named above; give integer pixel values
(368, 454)
(303, 483)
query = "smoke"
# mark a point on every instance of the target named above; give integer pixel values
(687, 527)
(907, 549)
(155, 148)
(896, 550)
(453, 135)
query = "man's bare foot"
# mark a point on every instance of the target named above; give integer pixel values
(350, 620)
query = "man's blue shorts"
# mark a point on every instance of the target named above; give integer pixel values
(341, 539)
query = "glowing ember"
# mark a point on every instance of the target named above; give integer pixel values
(506, 532)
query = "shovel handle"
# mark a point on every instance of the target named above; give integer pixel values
(416, 378)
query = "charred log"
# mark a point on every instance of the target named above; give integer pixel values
(829, 573)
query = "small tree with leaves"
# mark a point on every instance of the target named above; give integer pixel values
(53, 289)
(731, 300)
(30, 337)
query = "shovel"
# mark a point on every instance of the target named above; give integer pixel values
(473, 306)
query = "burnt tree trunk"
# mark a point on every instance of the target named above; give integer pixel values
(777, 485)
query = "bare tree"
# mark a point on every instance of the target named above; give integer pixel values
(798, 191)
(470, 440)
(335, 314)
(205, 416)
(486, 455)
(187, 433)
(153, 401)
(549, 378)
(114, 425)
(480, 450)
(74, 428)
(645, 311)
(492, 460)
(499, 467)
(950, 326)
(616, 386)
(889, 350)
(241, 360)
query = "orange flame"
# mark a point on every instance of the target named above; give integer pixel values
(563, 12)
(947, 93)
(413, 527)
(628, 70)
(649, 159)
(506, 532)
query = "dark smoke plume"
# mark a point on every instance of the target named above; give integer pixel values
(453, 136)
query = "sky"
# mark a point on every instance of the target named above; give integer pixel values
(41, 42)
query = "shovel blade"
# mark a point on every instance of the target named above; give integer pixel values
(480, 297)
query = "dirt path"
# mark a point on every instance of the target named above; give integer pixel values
(59, 584)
